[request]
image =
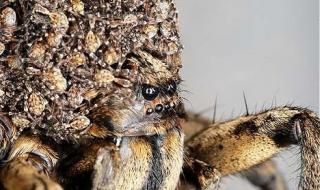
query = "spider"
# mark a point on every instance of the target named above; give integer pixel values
(90, 99)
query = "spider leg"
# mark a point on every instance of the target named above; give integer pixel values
(89, 167)
(266, 175)
(199, 175)
(103, 174)
(239, 144)
(20, 174)
(7, 133)
(28, 165)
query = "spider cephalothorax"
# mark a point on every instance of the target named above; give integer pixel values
(76, 72)
(72, 56)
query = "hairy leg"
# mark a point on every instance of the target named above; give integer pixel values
(199, 175)
(239, 144)
(20, 174)
(28, 165)
(7, 134)
(265, 176)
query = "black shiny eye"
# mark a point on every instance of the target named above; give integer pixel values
(159, 108)
(171, 88)
(149, 111)
(149, 92)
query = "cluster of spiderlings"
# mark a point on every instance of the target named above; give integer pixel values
(61, 59)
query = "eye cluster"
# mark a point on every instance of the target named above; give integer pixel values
(150, 92)
(160, 108)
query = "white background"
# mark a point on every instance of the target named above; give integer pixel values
(267, 48)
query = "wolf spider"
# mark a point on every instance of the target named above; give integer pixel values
(90, 99)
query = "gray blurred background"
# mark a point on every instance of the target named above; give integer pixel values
(266, 48)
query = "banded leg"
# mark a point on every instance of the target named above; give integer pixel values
(20, 174)
(265, 176)
(28, 165)
(239, 144)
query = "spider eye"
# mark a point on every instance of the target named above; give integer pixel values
(149, 92)
(171, 88)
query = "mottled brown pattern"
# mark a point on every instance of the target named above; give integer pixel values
(232, 146)
(90, 99)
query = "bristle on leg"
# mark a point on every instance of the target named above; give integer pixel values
(239, 144)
